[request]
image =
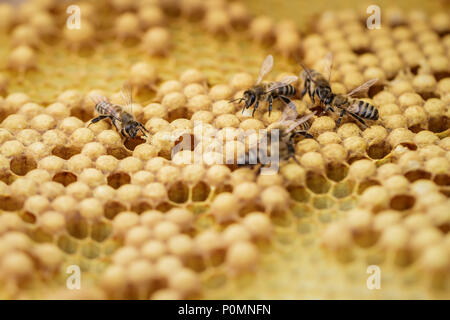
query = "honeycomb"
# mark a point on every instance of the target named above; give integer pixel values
(141, 224)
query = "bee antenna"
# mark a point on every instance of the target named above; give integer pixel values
(305, 68)
(235, 100)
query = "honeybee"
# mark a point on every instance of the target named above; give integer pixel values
(316, 84)
(289, 128)
(267, 91)
(123, 121)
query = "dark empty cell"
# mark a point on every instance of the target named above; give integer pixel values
(65, 152)
(417, 128)
(224, 188)
(82, 114)
(200, 191)
(100, 231)
(323, 203)
(378, 151)
(356, 158)
(164, 207)
(417, 175)
(337, 172)
(409, 145)
(65, 178)
(67, 244)
(366, 184)
(196, 263)
(445, 192)
(77, 228)
(10, 204)
(40, 236)
(361, 51)
(28, 217)
(141, 207)
(131, 144)
(21, 165)
(428, 95)
(90, 250)
(118, 153)
(438, 124)
(7, 177)
(179, 113)
(250, 207)
(113, 208)
(441, 75)
(442, 179)
(178, 192)
(402, 202)
(317, 183)
(118, 179)
(299, 194)
(414, 70)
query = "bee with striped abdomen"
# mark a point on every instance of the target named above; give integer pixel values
(317, 84)
(123, 121)
(268, 91)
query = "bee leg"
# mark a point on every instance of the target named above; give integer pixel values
(358, 118)
(270, 99)
(115, 125)
(305, 88)
(340, 117)
(256, 107)
(95, 120)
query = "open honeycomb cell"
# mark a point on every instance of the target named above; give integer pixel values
(142, 222)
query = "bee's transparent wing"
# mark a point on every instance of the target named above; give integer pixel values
(298, 122)
(265, 68)
(365, 86)
(289, 112)
(283, 82)
(327, 63)
(97, 98)
(127, 96)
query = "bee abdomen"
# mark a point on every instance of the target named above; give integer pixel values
(367, 111)
(287, 90)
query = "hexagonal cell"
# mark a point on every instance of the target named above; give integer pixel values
(362, 186)
(100, 231)
(90, 250)
(347, 204)
(178, 192)
(418, 174)
(131, 144)
(10, 203)
(39, 235)
(323, 202)
(337, 172)
(67, 244)
(113, 208)
(164, 206)
(402, 202)
(118, 153)
(200, 192)
(305, 227)
(281, 219)
(317, 183)
(28, 217)
(250, 207)
(77, 228)
(118, 179)
(195, 263)
(378, 151)
(141, 206)
(65, 152)
(298, 193)
(301, 210)
(21, 165)
(65, 178)
(343, 189)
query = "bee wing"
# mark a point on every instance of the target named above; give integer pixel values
(290, 111)
(298, 122)
(365, 86)
(265, 68)
(327, 63)
(284, 81)
(127, 96)
(97, 98)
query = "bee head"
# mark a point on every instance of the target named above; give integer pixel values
(323, 92)
(249, 98)
(132, 129)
